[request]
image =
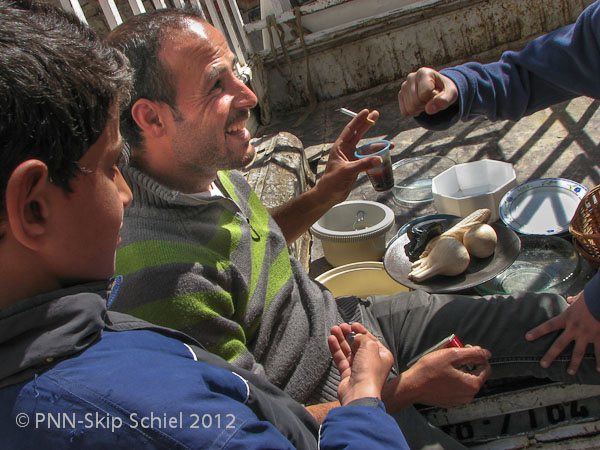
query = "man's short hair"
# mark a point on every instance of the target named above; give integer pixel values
(59, 84)
(141, 38)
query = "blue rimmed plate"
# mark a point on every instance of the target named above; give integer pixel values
(542, 207)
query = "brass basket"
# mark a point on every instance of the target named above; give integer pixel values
(585, 226)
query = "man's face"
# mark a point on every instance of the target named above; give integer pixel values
(209, 128)
(90, 217)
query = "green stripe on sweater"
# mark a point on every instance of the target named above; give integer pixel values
(280, 270)
(217, 252)
(230, 346)
(260, 215)
(191, 310)
(280, 273)
(186, 310)
(227, 238)
(140, 255)
(228, 185)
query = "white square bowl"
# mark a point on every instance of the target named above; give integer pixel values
(464, 188)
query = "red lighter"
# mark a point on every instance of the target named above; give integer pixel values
(450, 341)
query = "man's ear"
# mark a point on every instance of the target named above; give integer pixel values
(148, 116)
(28, 202)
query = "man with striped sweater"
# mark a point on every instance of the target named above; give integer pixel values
(201, 254)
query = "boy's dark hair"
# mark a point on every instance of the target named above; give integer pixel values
(141, 38)
(58, 85)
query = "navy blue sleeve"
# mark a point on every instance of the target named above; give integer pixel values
(553, 68)
(592, 296)
(361, 427)
(135, 389)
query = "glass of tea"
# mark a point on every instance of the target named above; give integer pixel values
(381, 176)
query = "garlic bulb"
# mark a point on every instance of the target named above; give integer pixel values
(480, 240)
(476, 217)
(457, 231)
(448, 257)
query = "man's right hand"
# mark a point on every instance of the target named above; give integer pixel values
(426, 90)
(440, 379)
(363, 367)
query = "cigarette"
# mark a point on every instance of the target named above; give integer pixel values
(353, 114)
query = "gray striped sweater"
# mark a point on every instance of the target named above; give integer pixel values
(220, 271)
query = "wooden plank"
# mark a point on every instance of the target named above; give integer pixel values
(159, 4)
(510, 402)
(239, 52)
(240, 25)
(137, 6)
(74, 7)
(288, 15)
(214, 16)
(198, 6)
(111, 13)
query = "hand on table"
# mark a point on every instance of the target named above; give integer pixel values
(364, 367)
(578, 325)
(426, 90)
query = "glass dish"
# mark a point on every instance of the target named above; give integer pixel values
(413, 177)
(545, 263)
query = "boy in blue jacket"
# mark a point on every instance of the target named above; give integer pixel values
(556, 67)
(74, 375)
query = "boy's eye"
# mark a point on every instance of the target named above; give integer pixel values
(122, 159)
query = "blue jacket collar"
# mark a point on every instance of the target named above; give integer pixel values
(38, 332)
